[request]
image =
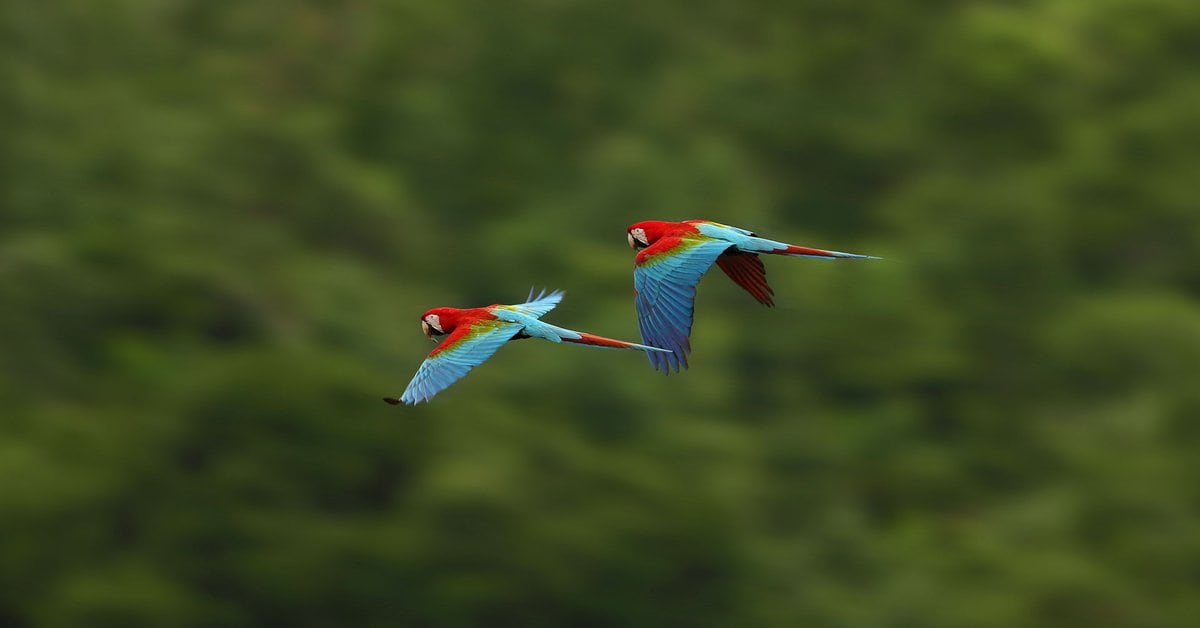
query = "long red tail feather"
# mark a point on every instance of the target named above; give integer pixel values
(805, 250)
(599, 341)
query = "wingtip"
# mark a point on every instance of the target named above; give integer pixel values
(667, 368)
(543, 294)
(392, 400)
(666, 364)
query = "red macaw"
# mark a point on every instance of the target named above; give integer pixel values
(473, 335)
(671, 258)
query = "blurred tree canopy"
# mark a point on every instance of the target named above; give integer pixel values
(219, 222)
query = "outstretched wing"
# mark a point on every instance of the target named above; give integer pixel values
(465, 348)
(665, 278)
(747, 271)
(540, 305)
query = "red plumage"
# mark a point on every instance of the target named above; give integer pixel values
(455, 323)
(792, 249)
(747, 271)
(599, 341)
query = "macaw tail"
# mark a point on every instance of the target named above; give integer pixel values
(805, 251)
(608, 343)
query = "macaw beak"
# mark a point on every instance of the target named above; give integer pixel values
(425, 330)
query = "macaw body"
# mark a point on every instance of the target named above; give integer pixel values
(473, 335)
(671, 258)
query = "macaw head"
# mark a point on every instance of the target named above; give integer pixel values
(643, 234)
(439, 321)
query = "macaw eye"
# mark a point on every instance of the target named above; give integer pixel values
(435, 322)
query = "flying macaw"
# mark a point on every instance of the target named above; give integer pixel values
(671, 258)
(473, 335)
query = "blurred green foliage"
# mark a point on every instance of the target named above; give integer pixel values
(219, 222)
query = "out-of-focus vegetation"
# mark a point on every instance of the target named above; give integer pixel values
(219, 222)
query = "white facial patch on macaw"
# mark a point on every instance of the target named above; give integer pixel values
(638, 235)
(435, 322)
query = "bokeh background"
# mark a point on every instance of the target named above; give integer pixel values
(220, 221)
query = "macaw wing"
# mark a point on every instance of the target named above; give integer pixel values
(539, 306)
(747, 271)
(465, 348)
(665, 279)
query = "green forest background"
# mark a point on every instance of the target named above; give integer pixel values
(220, 221)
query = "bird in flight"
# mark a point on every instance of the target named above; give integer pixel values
(671, 258)
(473, 335)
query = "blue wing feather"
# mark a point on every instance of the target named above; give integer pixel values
(666, 292)
(539, 306)
(455, 357)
